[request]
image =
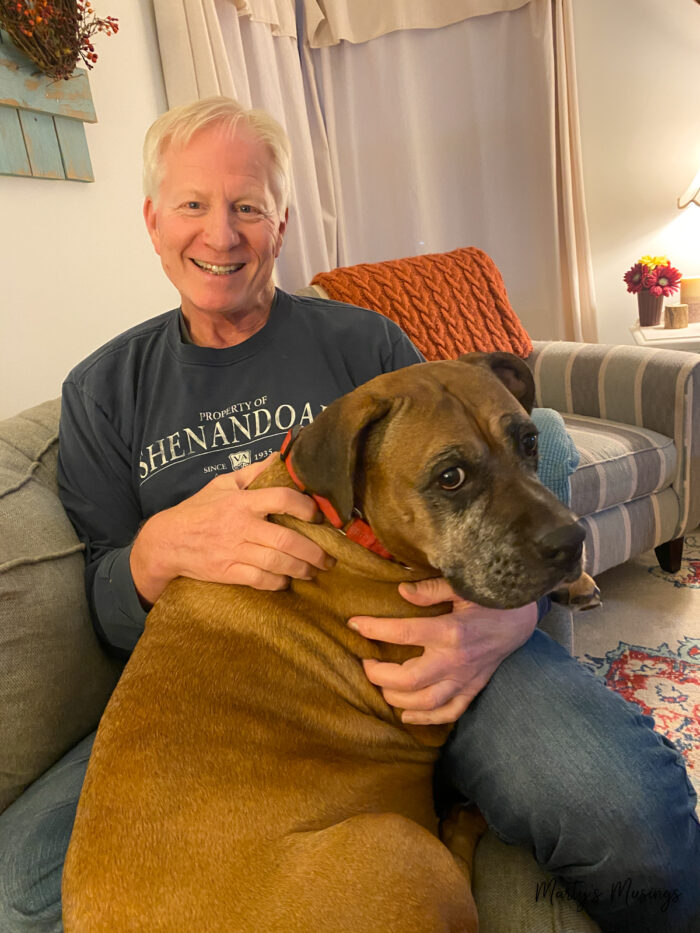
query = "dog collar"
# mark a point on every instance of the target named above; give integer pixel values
(357, 529)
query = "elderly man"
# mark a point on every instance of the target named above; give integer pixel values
(555, 761)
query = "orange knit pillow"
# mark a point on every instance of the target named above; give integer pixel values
(447, 303)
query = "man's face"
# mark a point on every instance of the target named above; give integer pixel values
(216, 226)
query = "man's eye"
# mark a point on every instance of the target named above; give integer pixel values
(246, 210)
(193, 205)
(452, 479)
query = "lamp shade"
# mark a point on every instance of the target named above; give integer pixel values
(692, 192)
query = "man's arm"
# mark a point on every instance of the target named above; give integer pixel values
(96, 488)
(218, 534)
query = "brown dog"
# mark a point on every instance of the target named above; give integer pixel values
(246, 775)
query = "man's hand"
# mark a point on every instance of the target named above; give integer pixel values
(462, 650)
(221, 534)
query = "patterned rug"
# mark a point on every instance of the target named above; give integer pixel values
(664, 684)
(664, 681)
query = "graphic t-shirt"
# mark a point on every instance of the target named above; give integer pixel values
(148, 419)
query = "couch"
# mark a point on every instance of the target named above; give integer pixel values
(55, 679)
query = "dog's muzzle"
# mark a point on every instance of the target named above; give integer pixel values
(562, 549)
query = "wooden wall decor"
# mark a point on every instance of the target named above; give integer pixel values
(41, 120)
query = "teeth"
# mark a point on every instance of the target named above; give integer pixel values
(218, 270)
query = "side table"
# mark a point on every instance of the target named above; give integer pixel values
(682, 338)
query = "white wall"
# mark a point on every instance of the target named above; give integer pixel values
(638, 69)
(76, 264)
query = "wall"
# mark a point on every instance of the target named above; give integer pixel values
(76, 264)
(638, 69)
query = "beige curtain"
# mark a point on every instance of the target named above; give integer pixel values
(578, 293)
(420, 140)
(467, 135)
(248, 50)
(330, 21)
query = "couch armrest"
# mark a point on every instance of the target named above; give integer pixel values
(656, 389)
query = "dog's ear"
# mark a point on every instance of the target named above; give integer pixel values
(324, 455)
(513, 372)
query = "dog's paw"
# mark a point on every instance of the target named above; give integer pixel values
(580, 595)
(461, 830)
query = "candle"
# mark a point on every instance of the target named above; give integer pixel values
(690, 295)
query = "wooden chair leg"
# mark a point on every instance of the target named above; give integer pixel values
(669, 555)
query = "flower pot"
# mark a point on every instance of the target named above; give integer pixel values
(650, 307)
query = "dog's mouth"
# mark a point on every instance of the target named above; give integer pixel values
(510, 577)
(508, 594)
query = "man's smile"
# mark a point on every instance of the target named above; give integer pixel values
(218, 270)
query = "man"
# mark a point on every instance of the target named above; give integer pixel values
(148, 419)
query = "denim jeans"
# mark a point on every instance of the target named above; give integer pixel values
(556, 762)
(34, 835)
(559, 763)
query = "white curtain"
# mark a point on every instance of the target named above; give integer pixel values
(466, 136)
(419, 140)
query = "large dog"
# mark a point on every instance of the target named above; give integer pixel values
(246, 775)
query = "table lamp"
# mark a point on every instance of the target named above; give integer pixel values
(691, 193)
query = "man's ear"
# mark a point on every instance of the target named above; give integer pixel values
(149, 215)
(324, 454)
(513, 372)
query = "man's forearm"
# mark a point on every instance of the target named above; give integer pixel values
(118, 615)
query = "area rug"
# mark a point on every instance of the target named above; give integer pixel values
(645, 643)
(664, 684)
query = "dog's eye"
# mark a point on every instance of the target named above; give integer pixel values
(528, 444)
(452, 479)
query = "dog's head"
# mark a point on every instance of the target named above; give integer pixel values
(441, 460)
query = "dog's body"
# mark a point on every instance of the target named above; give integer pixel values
(246, 775)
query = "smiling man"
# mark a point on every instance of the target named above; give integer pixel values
(555, 761)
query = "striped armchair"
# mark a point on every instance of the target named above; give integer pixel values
(633, 413)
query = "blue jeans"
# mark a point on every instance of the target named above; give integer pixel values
(559, 763)
(556, 762)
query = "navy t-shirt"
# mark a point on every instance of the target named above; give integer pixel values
(148, 419)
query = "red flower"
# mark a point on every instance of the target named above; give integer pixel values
(634, 277)
(663, 280)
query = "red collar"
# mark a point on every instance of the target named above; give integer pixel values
(357, 529)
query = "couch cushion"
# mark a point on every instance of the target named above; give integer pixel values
(619, 462)
(447, 303)
(54, 677)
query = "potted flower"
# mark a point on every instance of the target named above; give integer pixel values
(651, 279)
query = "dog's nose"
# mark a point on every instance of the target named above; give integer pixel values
(564, 546)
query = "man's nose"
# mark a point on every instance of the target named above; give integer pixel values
(220, 229)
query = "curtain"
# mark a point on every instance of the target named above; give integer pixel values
(467, 136)
(578, 292)
(416, 140)
(330, 21)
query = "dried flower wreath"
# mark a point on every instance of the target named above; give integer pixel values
(54, 34)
